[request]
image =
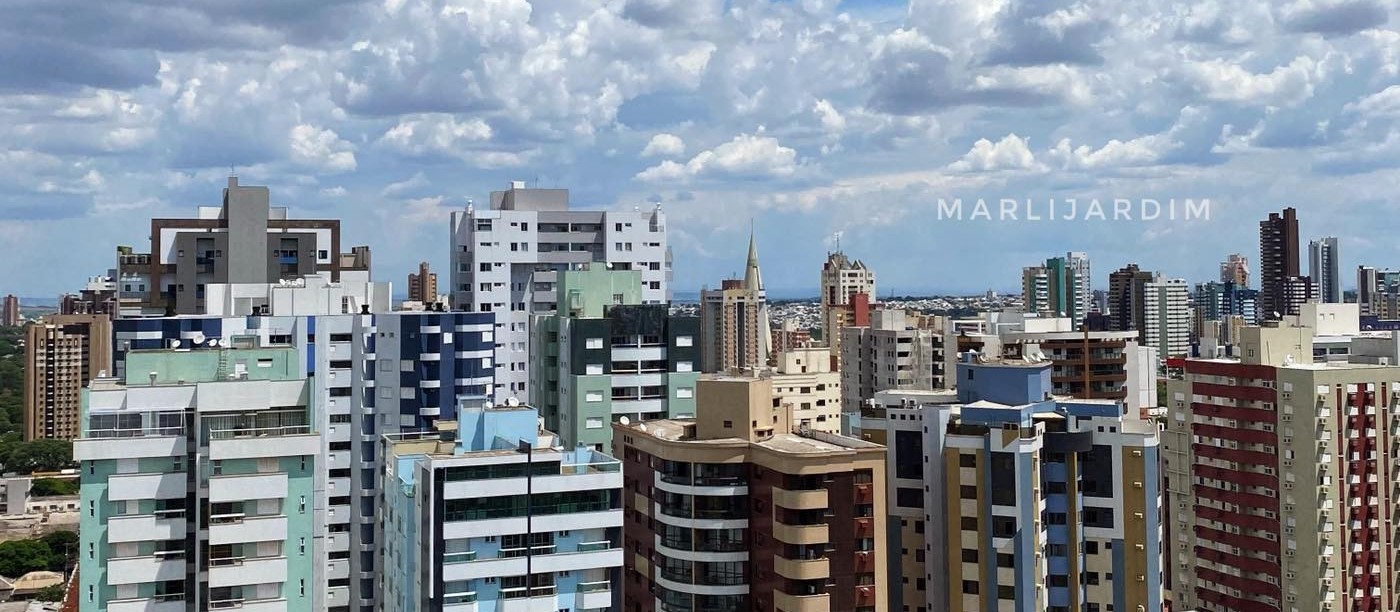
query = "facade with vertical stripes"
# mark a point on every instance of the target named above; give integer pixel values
(1009, 498)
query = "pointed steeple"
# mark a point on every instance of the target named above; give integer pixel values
(752, 279)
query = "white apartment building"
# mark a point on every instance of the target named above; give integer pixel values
(489, 513)
(898, 350)
(805, 379)
(506, 259)
(1167, 317)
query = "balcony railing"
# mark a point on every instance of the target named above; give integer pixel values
(258, 432)
(594, 587)
(522, 592)
(136, 432)
(593, 546)
(459, 557)
(459, 598)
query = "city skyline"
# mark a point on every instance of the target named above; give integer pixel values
(1255, 109)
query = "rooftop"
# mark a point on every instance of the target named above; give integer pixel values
(814, 442)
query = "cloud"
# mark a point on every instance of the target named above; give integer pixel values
(435, 134)
(1222, 81)
(1334, 17)
(321, 148)
(1049, 32)
(914, 76)
(664, 145)
(1010, 153)
(747, 156)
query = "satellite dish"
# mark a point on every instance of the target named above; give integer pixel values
(625, 421)
(197, 338)
(174, 343)
(512, 402)
(1288, 360)
(642, 426)
(213, 342)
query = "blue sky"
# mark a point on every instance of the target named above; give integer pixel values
(806, 117)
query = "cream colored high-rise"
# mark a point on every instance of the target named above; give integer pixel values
(805, 379)
(1282, 479)
(842, 277)
(735, 333)
(62, 354)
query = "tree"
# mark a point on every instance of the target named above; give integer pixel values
(51, 487)
(53, 592)
(40, 455)
(19, 557)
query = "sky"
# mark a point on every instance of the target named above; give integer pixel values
(804, 119)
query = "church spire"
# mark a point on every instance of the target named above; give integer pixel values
(752, 279)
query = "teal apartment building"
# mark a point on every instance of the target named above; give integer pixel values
(605, 355)
(197, 493)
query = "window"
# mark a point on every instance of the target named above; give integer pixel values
(969, 587)
(593, 343)
(968, 492)
(908, 497)
(685, 340)
(969, 555)
(1006, 592)
(685, 392)
(967, 460)
(593, 423)
(969, 523)
(1006, 560)
(729, 424)
(593, 396)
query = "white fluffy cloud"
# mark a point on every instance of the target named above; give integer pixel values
(422, 104)
(321, 148)
(1010, 153)
(747, 156)
(664, 145)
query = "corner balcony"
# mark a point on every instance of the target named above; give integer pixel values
(815, 499)
(802, 569)
(107, 445)
(593, 595)
(802, 603)
(538, 599)
(124, 487)
(801, 534)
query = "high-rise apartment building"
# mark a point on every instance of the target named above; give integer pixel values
(491, 513)
(1059, 288)
(1378, 292)
(841, 279)
(243, 242)
(1277, 477)
(730, 512)
(788, 336)
(1278, 261)
(898, 350)
(199, 472)
(506, 260)
(422, 287)
(1235, 269)
(1126, 287)
(1325, 269)
(735, 331)
(1003, 497)
(604, 356)
(9, 312)
(98, 296)
(1109, 365)
(1167, 317)
(1222, 301)
(806, 379)
(62, 354)
(371, 374)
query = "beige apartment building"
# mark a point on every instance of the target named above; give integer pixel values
(732, 512)
(807, 380)
(62, 354)
(842, 279)
(1280, 477)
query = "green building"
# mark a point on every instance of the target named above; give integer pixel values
(605, 355)
(198, 484)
